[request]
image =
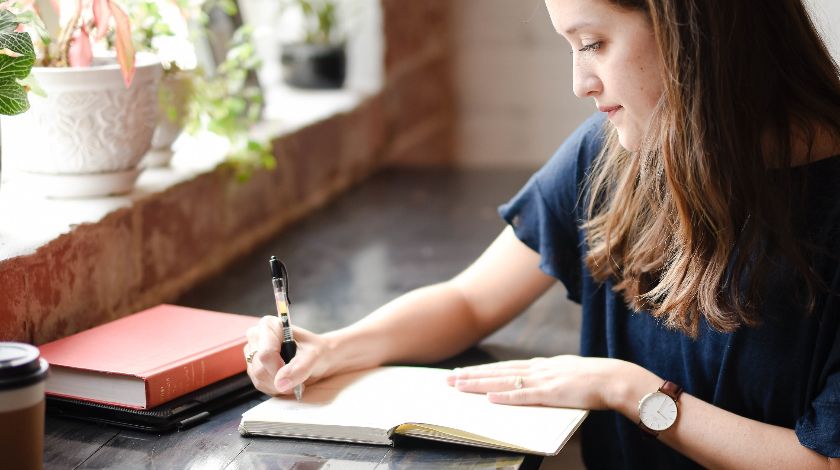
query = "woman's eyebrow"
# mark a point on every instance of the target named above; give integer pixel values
(572, 29)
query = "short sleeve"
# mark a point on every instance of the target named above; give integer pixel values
(547, 211)
(819, 427)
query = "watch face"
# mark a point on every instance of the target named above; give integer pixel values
(657, 411)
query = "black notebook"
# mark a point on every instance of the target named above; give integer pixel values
(177, 414)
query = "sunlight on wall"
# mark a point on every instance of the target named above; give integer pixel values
(826, 14)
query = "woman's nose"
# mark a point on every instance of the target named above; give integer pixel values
(584, 82)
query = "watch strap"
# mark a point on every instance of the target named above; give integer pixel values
(671, 389)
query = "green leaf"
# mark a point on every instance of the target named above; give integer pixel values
(34, 21)
(8, 21)
(12, 99)
(33, 86)
(17, 55)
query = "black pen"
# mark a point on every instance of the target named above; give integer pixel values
(280, 281)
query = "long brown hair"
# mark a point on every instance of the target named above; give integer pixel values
(690, 225)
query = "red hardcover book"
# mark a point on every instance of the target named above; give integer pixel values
(148, 358)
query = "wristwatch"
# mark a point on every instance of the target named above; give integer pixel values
(658, 410)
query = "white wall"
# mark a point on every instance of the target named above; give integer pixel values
(513, 84)
(826, 14)
(513, 80)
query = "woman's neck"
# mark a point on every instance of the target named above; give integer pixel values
(825, 144)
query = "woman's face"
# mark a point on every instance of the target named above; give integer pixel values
(615, 62)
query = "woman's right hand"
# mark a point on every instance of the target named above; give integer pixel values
(268, 371)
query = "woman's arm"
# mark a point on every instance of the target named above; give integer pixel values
(425, 325)
(716, 438)
(433, 323)
(711, 436)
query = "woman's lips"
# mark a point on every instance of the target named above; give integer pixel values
(610, 110)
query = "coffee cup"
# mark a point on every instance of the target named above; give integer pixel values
(22, 374)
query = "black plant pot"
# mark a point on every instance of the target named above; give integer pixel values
(314, 65)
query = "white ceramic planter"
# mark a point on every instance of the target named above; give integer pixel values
(88, 135)
(173, 99)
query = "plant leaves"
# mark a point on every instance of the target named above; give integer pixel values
(8, 21)
(80, 52)
(14, 67)
(34, 21)
(13, 99)
(101, 15)
(29, 83)
(123, 43)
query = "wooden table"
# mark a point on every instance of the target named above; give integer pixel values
(399, 230)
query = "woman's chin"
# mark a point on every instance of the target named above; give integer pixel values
(628, 142)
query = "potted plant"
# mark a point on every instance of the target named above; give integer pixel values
(319, 59)
(216, 95)
(86, 136)
(227, 103)
(161, 27)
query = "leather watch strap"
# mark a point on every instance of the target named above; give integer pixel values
(671, 389)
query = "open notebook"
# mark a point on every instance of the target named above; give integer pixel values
(371, 406)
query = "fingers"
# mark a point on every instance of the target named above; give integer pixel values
(270, 334)
(523, 396)
(300, 368)
(270, 374)
(518, 364)
(480, 372)
(506, 388)
(265, 340)
(490, 384)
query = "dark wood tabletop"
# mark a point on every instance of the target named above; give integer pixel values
(399, 230)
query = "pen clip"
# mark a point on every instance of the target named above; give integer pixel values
(278, 271)
(285, 274)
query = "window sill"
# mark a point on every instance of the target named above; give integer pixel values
(66, 265)
(29, 221)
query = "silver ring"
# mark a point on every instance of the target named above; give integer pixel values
(517, 383)
(250, 356)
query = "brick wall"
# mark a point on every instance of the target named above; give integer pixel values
(166, 242)
(418, 98)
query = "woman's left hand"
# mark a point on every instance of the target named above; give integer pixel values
(561, 381)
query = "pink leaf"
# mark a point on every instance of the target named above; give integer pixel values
(123, 44)
(102, 16)
(80, 54)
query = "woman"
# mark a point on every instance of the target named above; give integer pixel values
(695, 219)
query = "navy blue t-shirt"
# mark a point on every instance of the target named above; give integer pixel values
(785, 372)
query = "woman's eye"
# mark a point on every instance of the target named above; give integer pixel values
(590, 47)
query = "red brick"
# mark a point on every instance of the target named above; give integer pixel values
(363, 138)
(319, 151)
(181, 227)
(421, 94)
(82, 279)
(14, 325)
(411, 27)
